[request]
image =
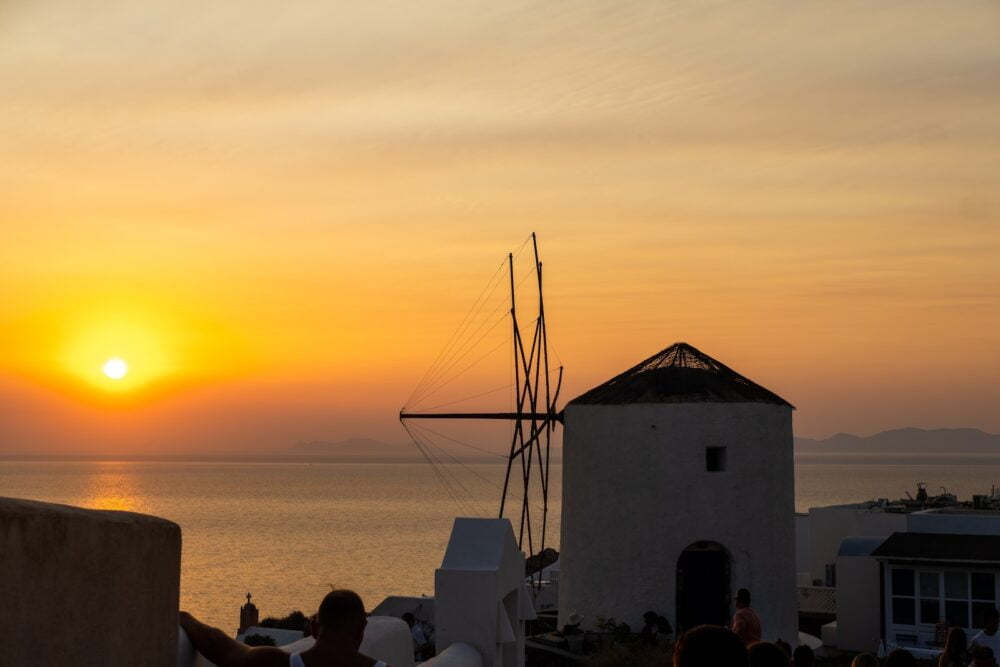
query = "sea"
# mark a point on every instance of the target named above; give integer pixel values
(287, 531)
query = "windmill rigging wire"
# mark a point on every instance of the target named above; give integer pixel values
(464, 465)
(475, 363)
(467, 345)
(460, 442)
(479, 322)
(476, 307)
(468, 398)
(460, 346)
(473, 506)
(437, 471)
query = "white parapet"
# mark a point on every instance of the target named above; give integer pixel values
(456, 655)
(87, 587)
(480, 596)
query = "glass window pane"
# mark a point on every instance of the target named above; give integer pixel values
(978, 610)
(903, 611)
(957, 613)
(930, 611)
(983, 587)
(956, 585)
(902, 582)
(929, 585)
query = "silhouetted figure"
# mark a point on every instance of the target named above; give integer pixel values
(572, 626)
(710, 646)
(955, 652)
(803, 656)
(746, 623)
(339, 629)
(656, 629)
(865, 660)
(766, 654)
(983, 656)
(989, 635)
(421, 647)
(900, 658)
(784, 646)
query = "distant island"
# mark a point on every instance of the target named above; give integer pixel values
(893, 445)
(369, 450)
(896, 442)
(358, 450)
(906, 441)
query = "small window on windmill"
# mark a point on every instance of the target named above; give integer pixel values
(715, 459)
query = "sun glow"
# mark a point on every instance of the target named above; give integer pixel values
(144, 346)
(115, 368)
(122, 350)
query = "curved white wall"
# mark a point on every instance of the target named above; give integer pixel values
(456, 655)
(87, 587)
(636, 493)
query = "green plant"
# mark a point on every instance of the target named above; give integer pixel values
(294, 621)
(259, 640)
(621, 633)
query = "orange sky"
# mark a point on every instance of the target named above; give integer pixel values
(278, 215)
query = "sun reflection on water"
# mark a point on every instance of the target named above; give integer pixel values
(114, 487)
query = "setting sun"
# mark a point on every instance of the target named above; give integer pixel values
(115, 368)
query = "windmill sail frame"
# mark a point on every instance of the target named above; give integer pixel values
(534, 416)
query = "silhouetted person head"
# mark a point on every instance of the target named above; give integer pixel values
(710, 646)
(341, 618)
(900, 658)
(766, 654)
(803, 656)
(784, 646)
(982, 656)
(742, 598)
(409, 618)
(864, 660)
(956, 644)
(991, 620)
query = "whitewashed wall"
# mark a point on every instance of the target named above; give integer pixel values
(636, 493)
(479, 594)
(829, 526)
(859, 610)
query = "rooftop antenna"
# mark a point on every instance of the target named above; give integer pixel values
(534, 417)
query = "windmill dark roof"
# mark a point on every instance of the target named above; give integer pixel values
(679, 374)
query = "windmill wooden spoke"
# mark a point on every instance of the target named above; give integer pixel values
(534, 414)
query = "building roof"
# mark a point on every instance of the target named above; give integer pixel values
(859, 546)
(679, 374)
(941, 546)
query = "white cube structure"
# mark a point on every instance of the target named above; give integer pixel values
(479, 593)
(678, 490)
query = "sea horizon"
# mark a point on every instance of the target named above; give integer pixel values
(818, 458)
(284, 530)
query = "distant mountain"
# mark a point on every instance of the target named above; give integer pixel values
(960, 441)
(358, 450)
(368, 450)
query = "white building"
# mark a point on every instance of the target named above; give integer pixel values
(678, 489)
(927, 571)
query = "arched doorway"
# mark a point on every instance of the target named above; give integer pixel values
(702, 586)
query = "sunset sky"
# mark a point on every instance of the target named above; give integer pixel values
(277, 213)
